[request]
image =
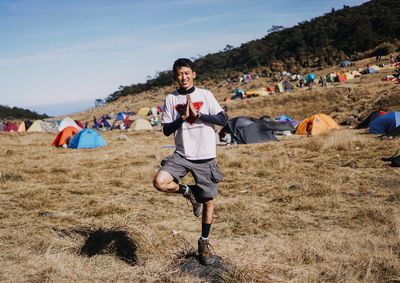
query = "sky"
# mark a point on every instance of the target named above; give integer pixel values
(57, 57)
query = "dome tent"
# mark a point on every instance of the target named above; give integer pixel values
(87, 138)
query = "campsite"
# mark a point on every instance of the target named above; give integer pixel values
(307, 156)
(303, 208)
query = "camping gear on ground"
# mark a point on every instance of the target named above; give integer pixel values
(372, 116)
(65, 136)
(316, 124)
(87, 138)
(385, 124)
(10, 127)
(394, 159)
(140, 125)
(245, 130)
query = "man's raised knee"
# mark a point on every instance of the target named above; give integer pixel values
(159, 184)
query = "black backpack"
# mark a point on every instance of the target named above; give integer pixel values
(394, 159)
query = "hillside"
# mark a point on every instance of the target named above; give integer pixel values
(17, 113)
(346, 102)
(304, 209)
(353, 33)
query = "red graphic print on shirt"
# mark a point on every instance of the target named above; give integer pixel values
(181, 108)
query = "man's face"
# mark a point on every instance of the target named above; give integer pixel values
(185, 76)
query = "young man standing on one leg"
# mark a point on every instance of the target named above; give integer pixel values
(191, 113)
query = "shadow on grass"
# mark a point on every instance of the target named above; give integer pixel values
(188, 263)
(116, 242)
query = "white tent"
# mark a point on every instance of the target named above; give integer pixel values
(66, 122)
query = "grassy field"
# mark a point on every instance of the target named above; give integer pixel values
(304, 209)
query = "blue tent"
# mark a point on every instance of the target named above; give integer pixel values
(370, 70)
(346, 63)
(120, 116)
(310, 77)
(385, 124)
(87, 138)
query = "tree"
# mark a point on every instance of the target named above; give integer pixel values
(275, 28)
(228, 47)
(98, 102)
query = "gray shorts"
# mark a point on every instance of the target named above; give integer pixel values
(206, 173)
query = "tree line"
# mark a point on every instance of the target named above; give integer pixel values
(19, 113)
(348, 33)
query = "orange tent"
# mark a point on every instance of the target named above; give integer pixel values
(316, 124)
(61, 138)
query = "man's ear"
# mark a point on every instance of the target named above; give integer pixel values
(194, 75)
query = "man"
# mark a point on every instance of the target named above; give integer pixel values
(191, 113)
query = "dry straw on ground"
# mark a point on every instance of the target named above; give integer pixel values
(304, 209)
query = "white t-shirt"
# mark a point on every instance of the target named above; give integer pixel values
(195, 140)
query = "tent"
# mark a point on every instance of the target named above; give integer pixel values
(63, 136)
(120, 116)
(36, 127)
(348, 76)
(372, 116)
(370, 70)
(87, 138)
(345, 63)
(385, 124)
(394, 133)
(310, 78)
(340, 78)
(140, 125)
(278, 126)
(287, 86)
(103, 123)
(316, 124)
(245, 130)
(50, 126)
(144, 111)
(279, 88)
(21, 127)
(331, 77)
(10, 127)
(257, 92)
(67, 122)
(356, 73)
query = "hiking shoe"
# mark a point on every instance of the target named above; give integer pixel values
(205, 253)
(197, 206)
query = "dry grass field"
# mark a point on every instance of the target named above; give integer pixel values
(303, 209)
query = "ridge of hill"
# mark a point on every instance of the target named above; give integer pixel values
(352, 32)
(347, 102)
(19, 113)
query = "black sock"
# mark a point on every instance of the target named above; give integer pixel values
(205, 230)
(182, 189)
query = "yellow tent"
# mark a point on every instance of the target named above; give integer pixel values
(279, 87)
(22, 127)
(316, 124)
(141, 124)
(143, 111)
(356, 73)
(257, 92)
(348, 76)
(36, 127)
